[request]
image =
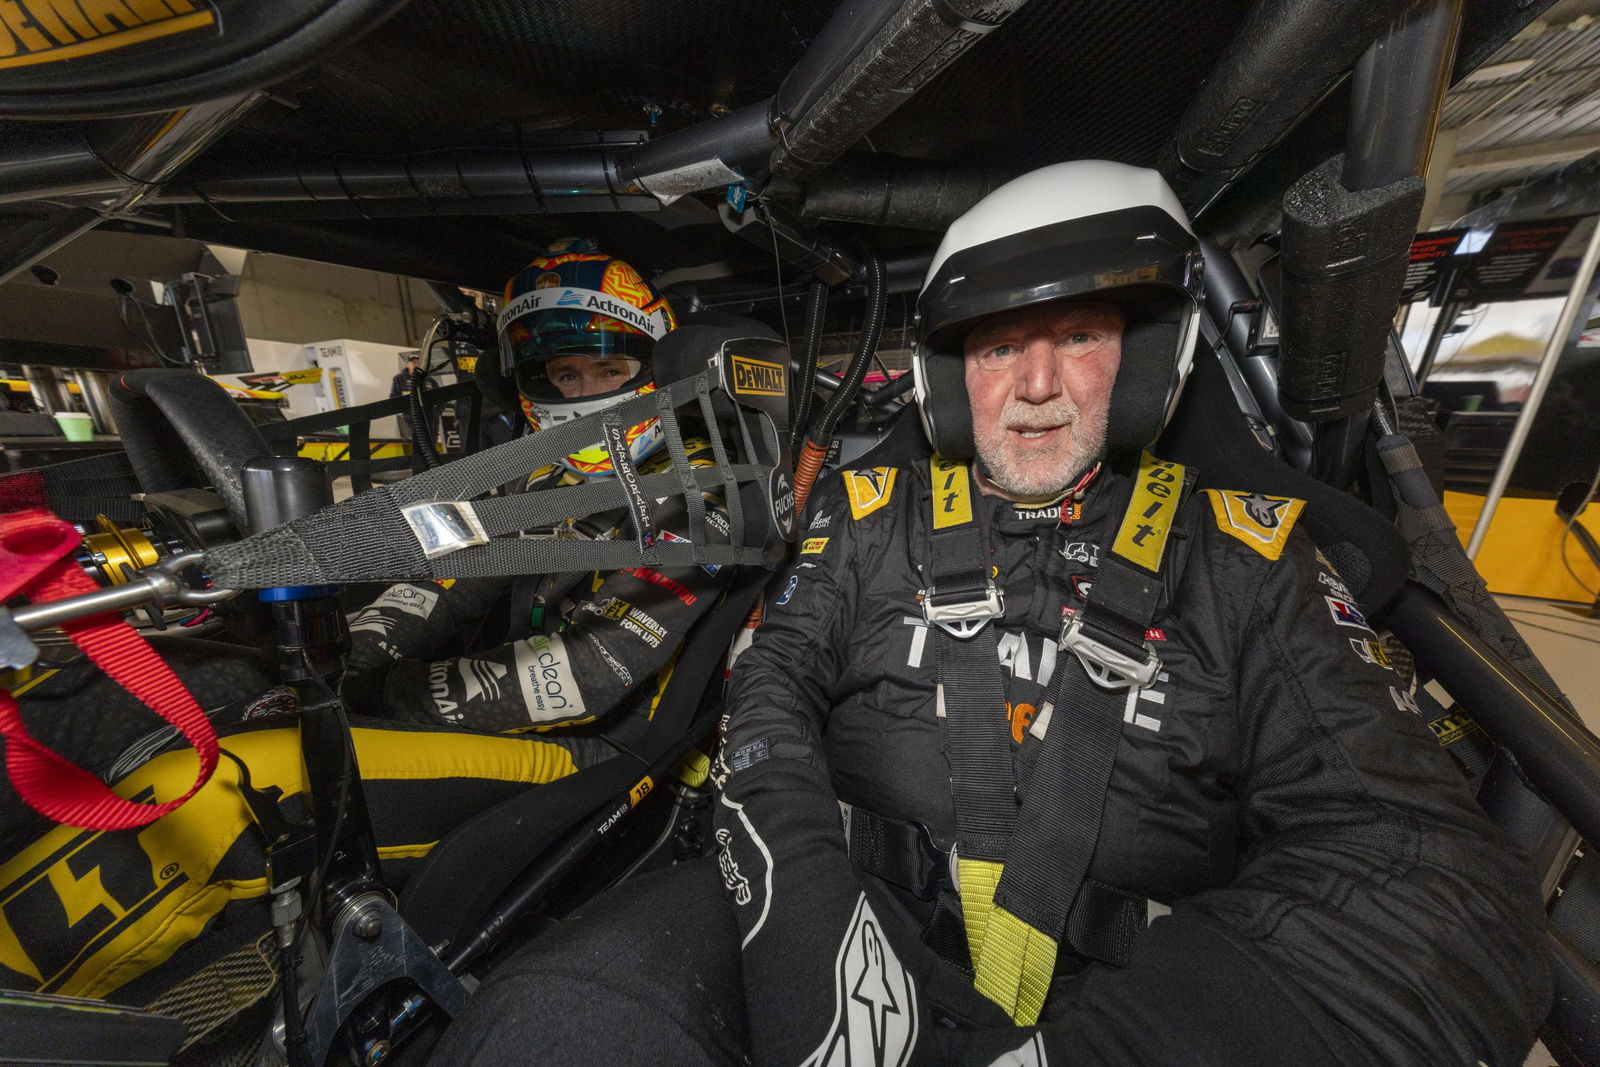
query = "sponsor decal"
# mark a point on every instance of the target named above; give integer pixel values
(62, 908)
(821, 522)
(1260, 521)
(618, 668)
(611, 608)
(1335, 585)
(668, 535)
(653, 323)
(1451, 727)
(640, 790)
(754, 377)
(781, 493)
(549, 691)
(952, 492)
(869, 489)
(480, 678)
(671, 585)
(439, 689)
(788, 590)
(737, 885)
(875, 1002)
(761, 857)
(379, 616)
(1346, 614)
(1142, 537)
(50, 31)
(1086, 552)
(1081, 584)
(813, 545)
(1404, 701)
(1371, 651)
(635, 621)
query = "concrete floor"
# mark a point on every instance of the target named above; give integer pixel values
(1567, 643)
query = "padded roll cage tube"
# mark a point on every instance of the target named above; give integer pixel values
(1559, 756)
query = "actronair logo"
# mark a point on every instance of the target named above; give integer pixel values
(752, 377)
(49, 31)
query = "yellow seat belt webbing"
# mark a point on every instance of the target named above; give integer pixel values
(977, 881)
(1015, 967)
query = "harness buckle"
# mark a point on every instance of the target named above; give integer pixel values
(964, 614)
(1107, 667)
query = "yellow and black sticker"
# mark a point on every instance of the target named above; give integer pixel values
(614, 608)
(813, 545)
(49, 31)
(952, 492)
(640, 790)
(755, 377)
(1263, 522)
(1142, 537)
(309, 375)
(869, 489)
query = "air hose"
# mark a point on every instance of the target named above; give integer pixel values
(815, 450)
(816, 311)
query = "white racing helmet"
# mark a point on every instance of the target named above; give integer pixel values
(1087, 228)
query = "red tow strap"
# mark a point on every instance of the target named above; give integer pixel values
(36, 561)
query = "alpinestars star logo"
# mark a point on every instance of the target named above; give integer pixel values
(1265, 510)
(875, 1004)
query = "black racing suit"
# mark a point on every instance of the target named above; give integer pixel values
(1337, 896)
(589, 644)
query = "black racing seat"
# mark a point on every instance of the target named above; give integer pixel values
(1209, 433)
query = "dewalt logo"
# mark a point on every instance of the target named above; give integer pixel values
(48, 31)
(752, 377)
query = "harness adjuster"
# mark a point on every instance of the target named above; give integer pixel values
(1107, 667)
(963, 614)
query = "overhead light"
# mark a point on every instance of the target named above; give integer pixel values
(1497, 72)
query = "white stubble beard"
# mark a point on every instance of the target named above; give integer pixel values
(1047, 473)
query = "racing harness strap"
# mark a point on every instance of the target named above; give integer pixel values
(429, 526)
(1024, 841)
(36, 560)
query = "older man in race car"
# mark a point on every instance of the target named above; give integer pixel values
(1020, 689)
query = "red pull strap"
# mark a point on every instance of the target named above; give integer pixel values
(35, 559)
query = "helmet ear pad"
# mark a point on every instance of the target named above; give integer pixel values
(946, 409)
(1145, 377)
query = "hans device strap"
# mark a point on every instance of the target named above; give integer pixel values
(431, 525)
(1021, 870)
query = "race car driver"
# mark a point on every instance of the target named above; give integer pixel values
(1335, 894)
(578, 646)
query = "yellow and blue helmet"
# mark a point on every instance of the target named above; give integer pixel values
(578, 301)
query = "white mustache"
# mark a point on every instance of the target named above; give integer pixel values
(1029, 417)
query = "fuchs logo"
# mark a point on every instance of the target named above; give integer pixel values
(782, 496)
(752, 377)
(49, 31)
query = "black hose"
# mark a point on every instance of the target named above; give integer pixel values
(871, 327)
(294, 1024)
(421, 439)
(816, 311)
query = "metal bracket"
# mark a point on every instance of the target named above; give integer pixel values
(372, 947)
(1108, 668)
(963, 618)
